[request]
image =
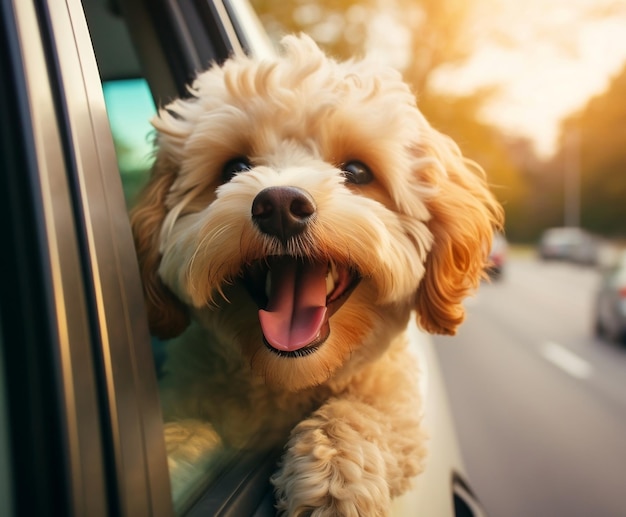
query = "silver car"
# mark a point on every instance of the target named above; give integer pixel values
(562, 243)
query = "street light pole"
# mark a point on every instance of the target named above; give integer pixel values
(571, 173)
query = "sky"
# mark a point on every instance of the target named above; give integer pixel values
(547, 56)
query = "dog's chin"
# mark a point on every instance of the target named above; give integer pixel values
(313, 365)
(296, 299)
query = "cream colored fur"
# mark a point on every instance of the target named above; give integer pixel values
(418, 234)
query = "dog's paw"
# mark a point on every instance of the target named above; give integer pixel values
(334, 467)
(192, 447)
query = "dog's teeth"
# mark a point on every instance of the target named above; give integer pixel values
(330, 283)
(333, 269)
(268, 284)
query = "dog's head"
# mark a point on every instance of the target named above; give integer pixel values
(302, 208)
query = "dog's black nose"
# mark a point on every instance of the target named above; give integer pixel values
(282, 211)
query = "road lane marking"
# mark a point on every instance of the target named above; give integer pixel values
(567, 361)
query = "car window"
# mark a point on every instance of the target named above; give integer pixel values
(130, 107)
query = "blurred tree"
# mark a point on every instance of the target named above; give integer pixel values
(441, 32)
(340, 26)
(433, 32)
(601, 157)
(502, 159)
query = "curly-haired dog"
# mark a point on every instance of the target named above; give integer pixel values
(299, 210)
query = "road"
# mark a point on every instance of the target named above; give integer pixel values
(539, 402)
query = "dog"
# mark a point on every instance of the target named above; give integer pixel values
(299, 211)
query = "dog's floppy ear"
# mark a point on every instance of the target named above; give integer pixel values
(464, 215)
(167, 315)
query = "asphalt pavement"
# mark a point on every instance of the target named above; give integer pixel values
(539, 402)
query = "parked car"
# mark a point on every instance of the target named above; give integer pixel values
(497, 256)
(80, 422)
(610, 303)
(575, 245)
(561, 243)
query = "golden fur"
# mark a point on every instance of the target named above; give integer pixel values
(418, 234)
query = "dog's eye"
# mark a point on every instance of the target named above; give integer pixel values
(357, 172)
(235, 166)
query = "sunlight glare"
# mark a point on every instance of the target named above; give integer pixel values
(547, 63)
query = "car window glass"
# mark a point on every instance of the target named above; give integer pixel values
(130, 108)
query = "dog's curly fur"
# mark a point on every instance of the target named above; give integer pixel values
(395, 214)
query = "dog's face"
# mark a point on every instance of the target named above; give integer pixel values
(301, 208)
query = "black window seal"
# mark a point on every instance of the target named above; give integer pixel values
(183, 37)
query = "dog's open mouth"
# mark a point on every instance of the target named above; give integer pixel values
(296, 298)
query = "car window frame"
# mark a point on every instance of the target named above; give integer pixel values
(45, 324)
(92, 417)
(184, 37)
(179, 37)
(135, 440)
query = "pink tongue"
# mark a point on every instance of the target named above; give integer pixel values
(297, 304)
